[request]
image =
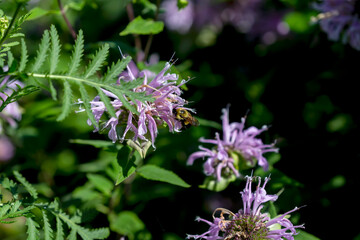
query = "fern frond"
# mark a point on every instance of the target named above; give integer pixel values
(32, 231)
(55, 49)
(42, 51)
(52, 90)
(26, 184)
(77, 53)
(48, 232)
(85, 233)
(115, 70)
(24, 56)
(97, 62)
(66, 102)
(59, 229)
(16, 95)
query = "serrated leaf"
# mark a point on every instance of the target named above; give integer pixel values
(77, 53)
(152, 172)
(100, 233)
(66, 106)
(143, 27)
(52, 90)
(59, 229)
(126, 164)
(10, 44)
(26, 184)
(101, 183)
(98, 61)
(24, 56)
(48, 232)
(18, 94)
(42, 51)
(55, 49)
(116, 69)
(32, 231)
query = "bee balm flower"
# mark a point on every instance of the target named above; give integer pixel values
(143, 127)
(238, 146)
(249, 222)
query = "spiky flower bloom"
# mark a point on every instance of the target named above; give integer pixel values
(339, 18)
(143, 127)
(249, 222)
(240, 148)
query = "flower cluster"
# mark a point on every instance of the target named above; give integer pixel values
(246, 16)
(9, 115)
(339, 18)
(238, 146)
(249, 222)
(144, 127)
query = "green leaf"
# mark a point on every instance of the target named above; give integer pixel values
(52, 90)
(26, 184)
(21, 92)
(77, 53)
(59, 229)
(116, 69)
(55, 49)
(126, 164)
(213, 184)
(24, 56)
(156, 173)
(143, 27)
(42, 51)
(126, 223)
(66, 107)
(48, 232)
(101, 183)
(32, 231)
(98, 61)
(305, 236)
(96, 143)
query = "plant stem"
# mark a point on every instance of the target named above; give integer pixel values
(150, 39)
(130, 13)
(71, 29)
(11, 23)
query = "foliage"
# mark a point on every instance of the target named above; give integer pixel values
(64, 181)
(28, 205)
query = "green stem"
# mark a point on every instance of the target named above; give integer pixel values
(11, 23)
(150, 39)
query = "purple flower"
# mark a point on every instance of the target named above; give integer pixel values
(143, 127)
(339, 18)
(249, 222)
(6, 149)
(11, 113)
(239, 148)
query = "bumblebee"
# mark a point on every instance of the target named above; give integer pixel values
(186, 119)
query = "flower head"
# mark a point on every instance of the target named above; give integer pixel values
(143, 127)
(339, 18)
(238, 146)
(249, 222)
